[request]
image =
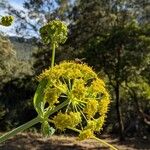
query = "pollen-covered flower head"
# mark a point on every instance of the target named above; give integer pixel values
(54, 32)
(6, 20)
(86, 96)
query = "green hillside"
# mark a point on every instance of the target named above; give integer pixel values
(24, 47)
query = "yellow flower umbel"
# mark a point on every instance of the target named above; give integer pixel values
(6, 20)
(54, 32)
(86, 96)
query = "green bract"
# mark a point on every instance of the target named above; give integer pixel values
(86, 96)
(7, 20)
(54, 32)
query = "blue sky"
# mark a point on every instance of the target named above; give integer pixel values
(18, 5)
(16, 2)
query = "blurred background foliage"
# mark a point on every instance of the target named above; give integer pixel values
(112, 36)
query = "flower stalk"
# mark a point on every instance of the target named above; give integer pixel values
(19, 129)
(53, 55)
(30, 123)
(105, 143)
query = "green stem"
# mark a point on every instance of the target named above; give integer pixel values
(30, 123)
(105, 143)
(19, 129)
(53, 55)
(50, 112)
(74, 129)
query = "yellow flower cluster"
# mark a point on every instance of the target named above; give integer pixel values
(85, 134)
(91, 108)
(78, 88)
(64, 120)
(86, 94)
(51, 95)
(54, 32)
(69, 70)
(95, 124)
(103, 104)
(6, 20)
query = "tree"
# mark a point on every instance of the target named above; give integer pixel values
(14, 90)
(111, 38)
(6, 53)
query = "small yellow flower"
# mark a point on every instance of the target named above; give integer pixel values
(6, 20)
(91, 108)
(103, 104)
(85, 134)
(75, 118)
(100, 122)
(96, 124)
(78, 88)
(91, 124)
(62, 121)
(97, 86)
(51, 96)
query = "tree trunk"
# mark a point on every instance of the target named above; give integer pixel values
(119, 114)
(145, 117)
(117, 93)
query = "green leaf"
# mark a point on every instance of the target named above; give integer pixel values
(38, 100)
(46, 129)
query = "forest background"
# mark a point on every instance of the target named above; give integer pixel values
(112, 36)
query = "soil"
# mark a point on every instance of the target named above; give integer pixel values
(30, 141)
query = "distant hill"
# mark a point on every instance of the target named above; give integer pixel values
(24, 47)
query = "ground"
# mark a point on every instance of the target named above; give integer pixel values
(30, 141)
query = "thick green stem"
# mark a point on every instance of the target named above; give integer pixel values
(19, 129)
(30, 123)
(53, 55)
(50, 112)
